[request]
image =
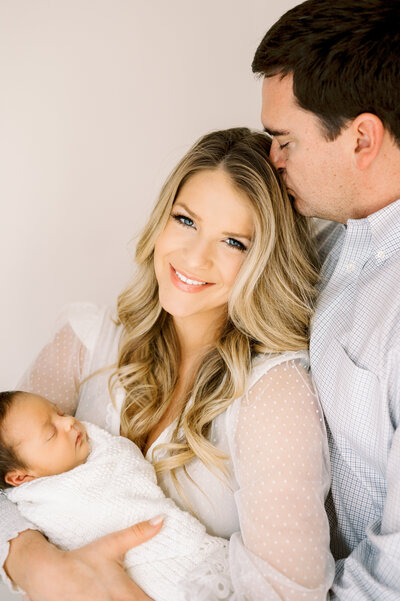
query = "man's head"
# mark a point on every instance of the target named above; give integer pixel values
(37, 439)
(331, 83)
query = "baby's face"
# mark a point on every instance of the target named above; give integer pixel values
(45, 439)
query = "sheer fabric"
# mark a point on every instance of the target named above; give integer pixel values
(272, 508)
(281, 467)
(57, 371)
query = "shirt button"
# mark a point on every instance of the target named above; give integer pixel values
(380, 254)
(350, 267)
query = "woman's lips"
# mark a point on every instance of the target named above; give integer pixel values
(186, 286)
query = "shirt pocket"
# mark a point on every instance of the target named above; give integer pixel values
(352, 395)
(356, 411)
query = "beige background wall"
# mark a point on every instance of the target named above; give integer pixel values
(98, 100)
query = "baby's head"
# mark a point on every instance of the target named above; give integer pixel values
(37, 439)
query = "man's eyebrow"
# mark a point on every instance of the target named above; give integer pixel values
(276, 132)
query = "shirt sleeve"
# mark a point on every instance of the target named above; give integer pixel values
(281, 465)
(372, 570)
(55, 374)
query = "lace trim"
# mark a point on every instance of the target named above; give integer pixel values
(211, 580)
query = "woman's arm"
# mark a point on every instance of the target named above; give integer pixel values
(91, 573)
(281, 465)
(55, 374)
(57, 371)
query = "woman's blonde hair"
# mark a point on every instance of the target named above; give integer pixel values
(269, 308)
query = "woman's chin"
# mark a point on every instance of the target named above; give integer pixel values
(178, 312)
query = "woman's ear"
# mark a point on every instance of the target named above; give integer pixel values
(368, 132)
(17, 477)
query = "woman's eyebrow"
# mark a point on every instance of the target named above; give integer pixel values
(233, 235)
(182, 204)
(230, 234)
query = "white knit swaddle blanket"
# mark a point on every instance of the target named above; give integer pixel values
(114, 489)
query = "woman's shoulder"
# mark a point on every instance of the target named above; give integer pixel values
(262, 363)
(88, 321)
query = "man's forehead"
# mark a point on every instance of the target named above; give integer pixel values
(277, 104)
(277, 87)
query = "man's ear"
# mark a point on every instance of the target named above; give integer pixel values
(17, 477)
(368, 132)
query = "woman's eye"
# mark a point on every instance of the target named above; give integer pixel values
(233, 243)
(282, 146)
(183, 220)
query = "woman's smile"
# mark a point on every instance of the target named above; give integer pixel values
(188, 284)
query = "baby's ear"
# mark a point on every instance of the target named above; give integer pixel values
(17, 477)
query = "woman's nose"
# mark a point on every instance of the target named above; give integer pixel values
(276, 155)
(199, 254)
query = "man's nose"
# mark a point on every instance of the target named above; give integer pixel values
(276, 155)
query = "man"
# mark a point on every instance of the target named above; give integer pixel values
(331, 98)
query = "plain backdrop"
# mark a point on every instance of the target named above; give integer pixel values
(98, 101)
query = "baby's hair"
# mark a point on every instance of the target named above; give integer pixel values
(8, 459)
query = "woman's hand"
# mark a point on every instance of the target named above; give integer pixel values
(91, 573)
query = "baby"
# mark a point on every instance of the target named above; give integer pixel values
(76, 482)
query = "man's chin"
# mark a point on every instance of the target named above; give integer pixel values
(297, 204)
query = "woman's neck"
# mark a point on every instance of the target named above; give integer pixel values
(196, 335)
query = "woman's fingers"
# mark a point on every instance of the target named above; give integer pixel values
(91, 573)
(115, 545)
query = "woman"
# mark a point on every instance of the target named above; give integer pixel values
(211, 368)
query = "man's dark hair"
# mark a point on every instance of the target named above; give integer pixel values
(345, 59)
(8, 459)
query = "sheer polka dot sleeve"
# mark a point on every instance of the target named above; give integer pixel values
(57, 371)
(63, 363)
(281, 466)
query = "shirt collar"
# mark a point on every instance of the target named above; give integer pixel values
(383, 229)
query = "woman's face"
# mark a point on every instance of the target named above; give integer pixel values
(203, 245)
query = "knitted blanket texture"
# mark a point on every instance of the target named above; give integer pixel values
(114, 489)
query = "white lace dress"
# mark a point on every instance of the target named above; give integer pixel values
(271, 510)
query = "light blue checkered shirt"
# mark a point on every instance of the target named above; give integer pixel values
(355, 359)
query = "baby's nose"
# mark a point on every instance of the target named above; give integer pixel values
(68, 422)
